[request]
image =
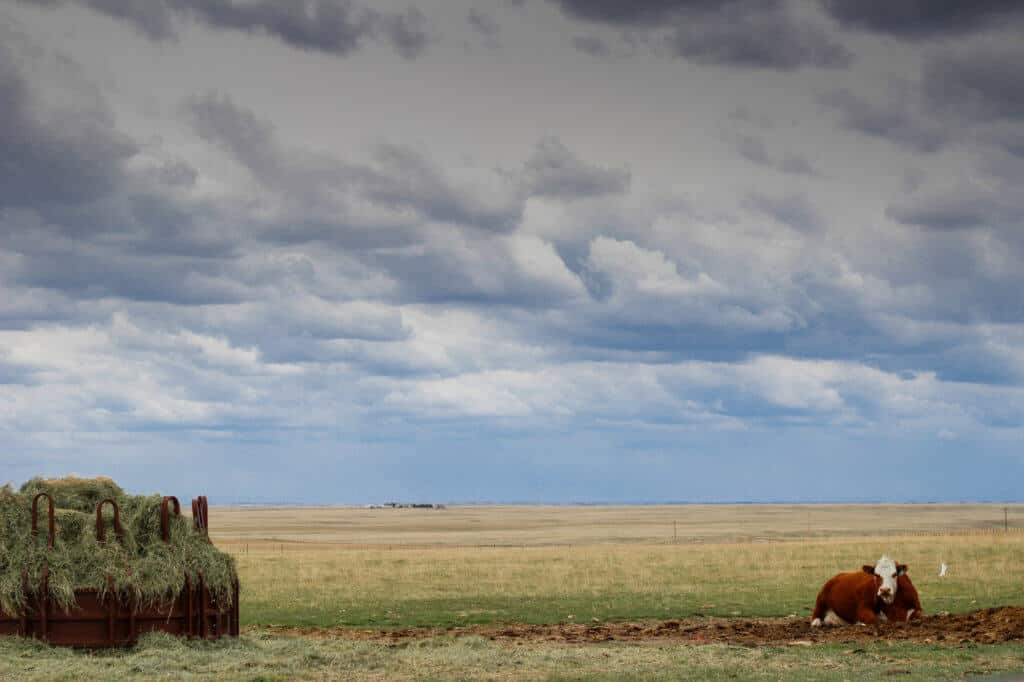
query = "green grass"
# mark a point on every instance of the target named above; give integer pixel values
(260, 656)
(557, 608)
(415, 587)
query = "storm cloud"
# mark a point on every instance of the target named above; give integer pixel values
(980, 85)
(490, 244)
(54, 156)
(333, 26)
(760, 35)
(920, 19)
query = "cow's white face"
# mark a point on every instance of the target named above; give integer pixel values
(887, 571)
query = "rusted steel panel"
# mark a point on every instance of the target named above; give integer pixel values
(118, 621)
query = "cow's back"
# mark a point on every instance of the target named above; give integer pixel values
(844, 595)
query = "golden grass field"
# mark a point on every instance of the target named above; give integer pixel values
(463, 565)
(579, 525)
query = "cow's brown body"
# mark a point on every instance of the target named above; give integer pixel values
(852, 597)
(906, 605)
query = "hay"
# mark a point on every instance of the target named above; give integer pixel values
(141, 564)
(72, 492)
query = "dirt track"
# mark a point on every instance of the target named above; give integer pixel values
(987, 626)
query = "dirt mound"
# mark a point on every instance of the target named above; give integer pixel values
(987, 626)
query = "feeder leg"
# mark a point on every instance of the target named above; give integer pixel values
(23, 621)
(190, 610)
(131, 619)
(44, 603)
(202, 607)
(110, 611)
(235, 613)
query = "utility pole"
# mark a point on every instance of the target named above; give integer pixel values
(1006, 522)
(675, 537)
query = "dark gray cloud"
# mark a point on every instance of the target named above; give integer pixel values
(512, 272)
(734, 33)
(640, 13)
(402, 177)
(592, 45)
(482, 22)
(795, 164)
(1010, 140)
(766, 37)
(66, 156)
(406, 32)
(398, 179)
(962, 208)
(437, 260)
(332, 26)
(89, 271)
(894, 119)
(153, 19)
(918, 19)
(753, 149)
(790, 209)
(554, 171)
(172, 173)
(218, 120)
(84, 210)
(1002, 156)
(982, 84)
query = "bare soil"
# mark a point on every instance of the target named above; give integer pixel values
(986, 626)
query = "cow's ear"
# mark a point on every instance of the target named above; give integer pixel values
(869, 569)
(901, 569)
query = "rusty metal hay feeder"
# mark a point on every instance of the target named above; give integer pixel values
(111, 619)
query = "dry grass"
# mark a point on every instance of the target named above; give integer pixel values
(532, 526)
(262, 656)
(546, 564)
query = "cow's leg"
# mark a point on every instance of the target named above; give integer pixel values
(866, 615)
(821, 610)
(832, 619)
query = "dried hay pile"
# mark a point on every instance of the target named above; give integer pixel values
(140, 563)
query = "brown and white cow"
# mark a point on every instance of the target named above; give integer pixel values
(858, 596)
(907, 605)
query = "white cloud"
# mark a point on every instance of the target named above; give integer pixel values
(635, 270)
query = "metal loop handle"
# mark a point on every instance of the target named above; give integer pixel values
(165, 521)
(35, 517)
(100, 533)
(201, 514)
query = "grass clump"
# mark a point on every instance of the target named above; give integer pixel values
(139, 562)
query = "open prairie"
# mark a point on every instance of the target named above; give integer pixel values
(463, 565)
(670, 592)
(584, 525)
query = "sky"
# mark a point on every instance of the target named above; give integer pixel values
(569, 251)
